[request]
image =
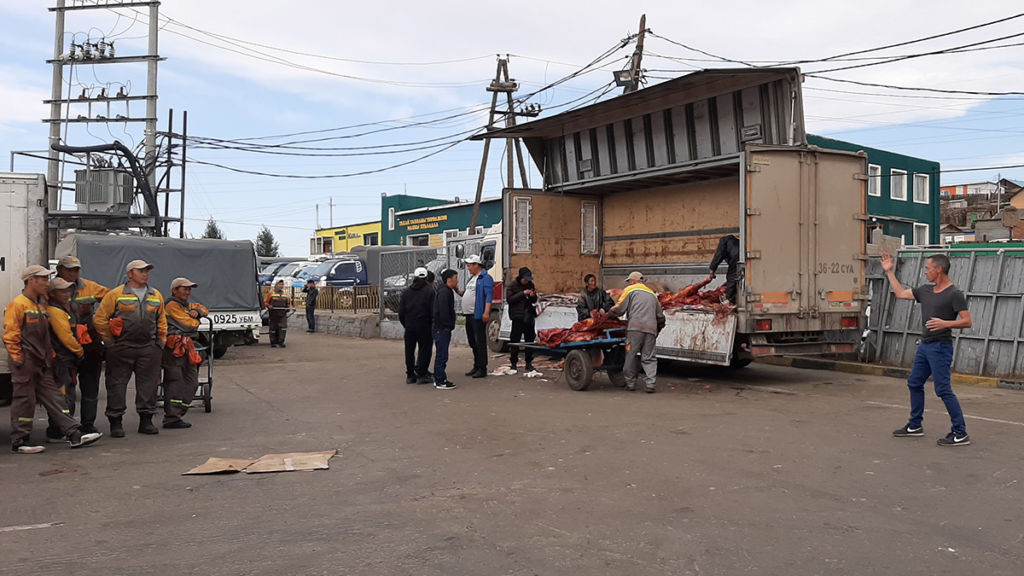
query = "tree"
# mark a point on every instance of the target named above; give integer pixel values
(265, 244)
(212, 230)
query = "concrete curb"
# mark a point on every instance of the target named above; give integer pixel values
(887, 371)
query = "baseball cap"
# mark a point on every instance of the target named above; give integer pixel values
(138, 265)
(634, 275)
(58, 283)
(69, 262)
(181, 281)
(420, 272)
(472, 259)
(34, 270)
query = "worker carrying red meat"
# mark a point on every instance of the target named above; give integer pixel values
(729, 251)
(27, 338)
(181, 378)
(645, 319)
(592, 298)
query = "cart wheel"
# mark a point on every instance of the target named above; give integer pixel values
(207, 397)
(618, 379)
(578, 370)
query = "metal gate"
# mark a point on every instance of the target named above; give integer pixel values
(992, 279)
(396, 269)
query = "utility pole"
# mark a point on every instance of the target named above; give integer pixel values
(502, 84)
(317, 216)
(638, 56)
(330, 203)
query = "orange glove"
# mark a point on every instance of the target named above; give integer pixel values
(82, 334)
(116, 326)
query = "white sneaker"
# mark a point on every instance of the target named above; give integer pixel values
(27, 449)
(77, 439)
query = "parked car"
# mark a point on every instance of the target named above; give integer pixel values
(349, 271)
(266, 276)
(292, 274)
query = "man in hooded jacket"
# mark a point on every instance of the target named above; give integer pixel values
(521, 296)
(416, 312)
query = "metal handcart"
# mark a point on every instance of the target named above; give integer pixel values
(582, 359)
(204, 346)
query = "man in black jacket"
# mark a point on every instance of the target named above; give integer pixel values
(729, 251)
(592, 298)
(415, 312)
(521, 297)
(444, 323)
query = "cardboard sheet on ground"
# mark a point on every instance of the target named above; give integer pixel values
(268, 463)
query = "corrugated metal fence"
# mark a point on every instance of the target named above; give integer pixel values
(991, 278)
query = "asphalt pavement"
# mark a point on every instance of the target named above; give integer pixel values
(765, 470)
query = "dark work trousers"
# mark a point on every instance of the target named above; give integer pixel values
(442, 341)
(522, 331)
(181, 379)
(311, 319)
(33, 382)
(278, 326)
(731, 281)
(122, 362)
(89, 379)
(418, 341)
(64, 379)
(476, 334)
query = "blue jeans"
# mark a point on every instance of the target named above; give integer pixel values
(934, 359)
(442, 339)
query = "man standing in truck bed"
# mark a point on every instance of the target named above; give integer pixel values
(943, 308)
(132, 322)
(645, 319)
(729, 251)
(85, 296)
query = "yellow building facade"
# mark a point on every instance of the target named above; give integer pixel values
(344, 238)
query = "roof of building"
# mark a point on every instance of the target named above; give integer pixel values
(446, 206)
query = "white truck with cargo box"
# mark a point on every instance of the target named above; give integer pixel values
(225, 270)
(22, 242)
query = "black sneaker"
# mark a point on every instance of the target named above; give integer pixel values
(482, 373)
(88, 428)
(649, 389)
(24, 448)
(952, 439)
(76, 439)
(529, 368)
(471, 372)
(177, 424)
(424, 380)
(907, 432)
(410, 379)
(446, 385)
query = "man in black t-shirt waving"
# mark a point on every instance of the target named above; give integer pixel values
(943, 308)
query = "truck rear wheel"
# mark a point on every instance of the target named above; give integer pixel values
(494, 343)
(219, 351)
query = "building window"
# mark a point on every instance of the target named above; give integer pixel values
(391, 218)
(371, 239)
(920, 234)
(898, 184)
(450, 235)
(418, 240)
(522, 220)
(874, 180)
(588, 233)
(921, 195)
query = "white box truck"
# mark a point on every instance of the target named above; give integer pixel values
(22, 242)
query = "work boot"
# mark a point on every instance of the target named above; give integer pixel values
(177, 424)
(116, 429)
(146, 424)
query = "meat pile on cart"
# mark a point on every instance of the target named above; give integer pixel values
(592, 328)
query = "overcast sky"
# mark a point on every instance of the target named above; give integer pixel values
(326, 65)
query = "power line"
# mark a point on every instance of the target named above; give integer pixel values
(914, 89)
(699, 51)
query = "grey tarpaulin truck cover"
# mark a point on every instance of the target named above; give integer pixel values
(224, 269)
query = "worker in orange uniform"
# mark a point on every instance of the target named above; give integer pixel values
(27, 338)
(278, 303)
(85, 296)
(67, 349)
(180, 358)
(132, 322)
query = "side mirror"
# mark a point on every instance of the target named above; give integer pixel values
(460, 251)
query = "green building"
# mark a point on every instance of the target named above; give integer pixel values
(903, 192)
(417, 221)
